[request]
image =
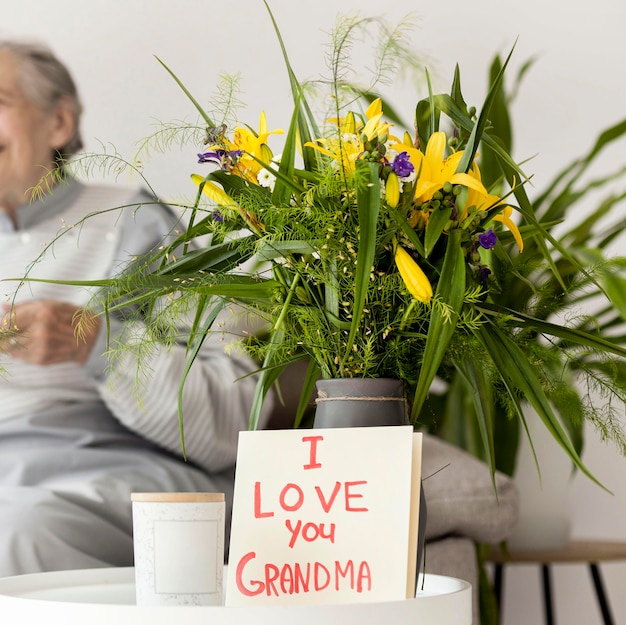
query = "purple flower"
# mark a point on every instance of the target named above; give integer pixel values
(483, 273)
(402, 165)
(224, 158)
(487, 239)
(217, 216)
(211, 157)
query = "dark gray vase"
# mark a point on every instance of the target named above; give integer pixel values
(364, 402)
(360, 402)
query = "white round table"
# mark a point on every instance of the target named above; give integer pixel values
(107, 597)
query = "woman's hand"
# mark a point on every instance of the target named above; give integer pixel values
(47, 332)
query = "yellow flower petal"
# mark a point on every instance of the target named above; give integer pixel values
(372, 127)
(436, 148)
(392, 190)
(315, 145)
(505, 218)
(262, 124)
(216, 193)
(415, 279)
(468, 181)
(348, 125)
(374, 109)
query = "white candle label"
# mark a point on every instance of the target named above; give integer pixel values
(179, 548)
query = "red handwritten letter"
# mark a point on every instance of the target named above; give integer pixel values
(350, 495)
(257, 586)
(257, 503)
(327, 505)
(314, 440)
(283, 497)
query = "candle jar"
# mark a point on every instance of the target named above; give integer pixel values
(179, 548)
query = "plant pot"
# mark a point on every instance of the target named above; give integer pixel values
(366, 402)
(360, 402)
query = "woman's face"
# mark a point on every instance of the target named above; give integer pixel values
(29, 137)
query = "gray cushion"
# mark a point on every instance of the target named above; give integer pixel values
(460, 497)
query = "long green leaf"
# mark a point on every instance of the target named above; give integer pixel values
(368, 205)
(306, 120)
(570, 335)
(500, 129)
(282, 189)
(409, 232)
(455, 92)
(220, 257)
(573, 172)
(482, 396)
(268, 374)
(477, 131)
(513, 366)
(450, 108)
(269, 250)
(450, 291)
(199, 331)
(312, 375)
(199, 108)
(331, 292)
(266, 377)
(436, 225)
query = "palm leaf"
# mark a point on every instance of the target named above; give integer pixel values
(516, 370)
(567, 334)
(481, 392)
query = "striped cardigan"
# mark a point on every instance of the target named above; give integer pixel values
(215, 406)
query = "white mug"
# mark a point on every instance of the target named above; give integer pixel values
(179, 548)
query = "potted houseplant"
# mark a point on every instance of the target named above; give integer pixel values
(586, 288)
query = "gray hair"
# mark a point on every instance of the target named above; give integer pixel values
(46, 81)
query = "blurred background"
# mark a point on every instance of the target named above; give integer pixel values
(574, 90)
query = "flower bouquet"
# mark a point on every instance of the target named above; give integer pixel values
(370, 251)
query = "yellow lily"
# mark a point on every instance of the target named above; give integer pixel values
(505, 218)
(374, 128)
(254, 146)
(415, 279)
(482, 200)
(348, 146)
(434, 169)
(344, 151)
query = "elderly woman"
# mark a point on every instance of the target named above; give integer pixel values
(75, 439)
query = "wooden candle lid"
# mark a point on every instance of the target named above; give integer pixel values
(177, 497)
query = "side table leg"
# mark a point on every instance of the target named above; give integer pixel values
(547, 594)
(601, 594)
(498, 580)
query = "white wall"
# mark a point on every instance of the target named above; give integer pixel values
(575, 89)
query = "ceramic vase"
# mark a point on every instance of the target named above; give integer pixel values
(360, 402)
